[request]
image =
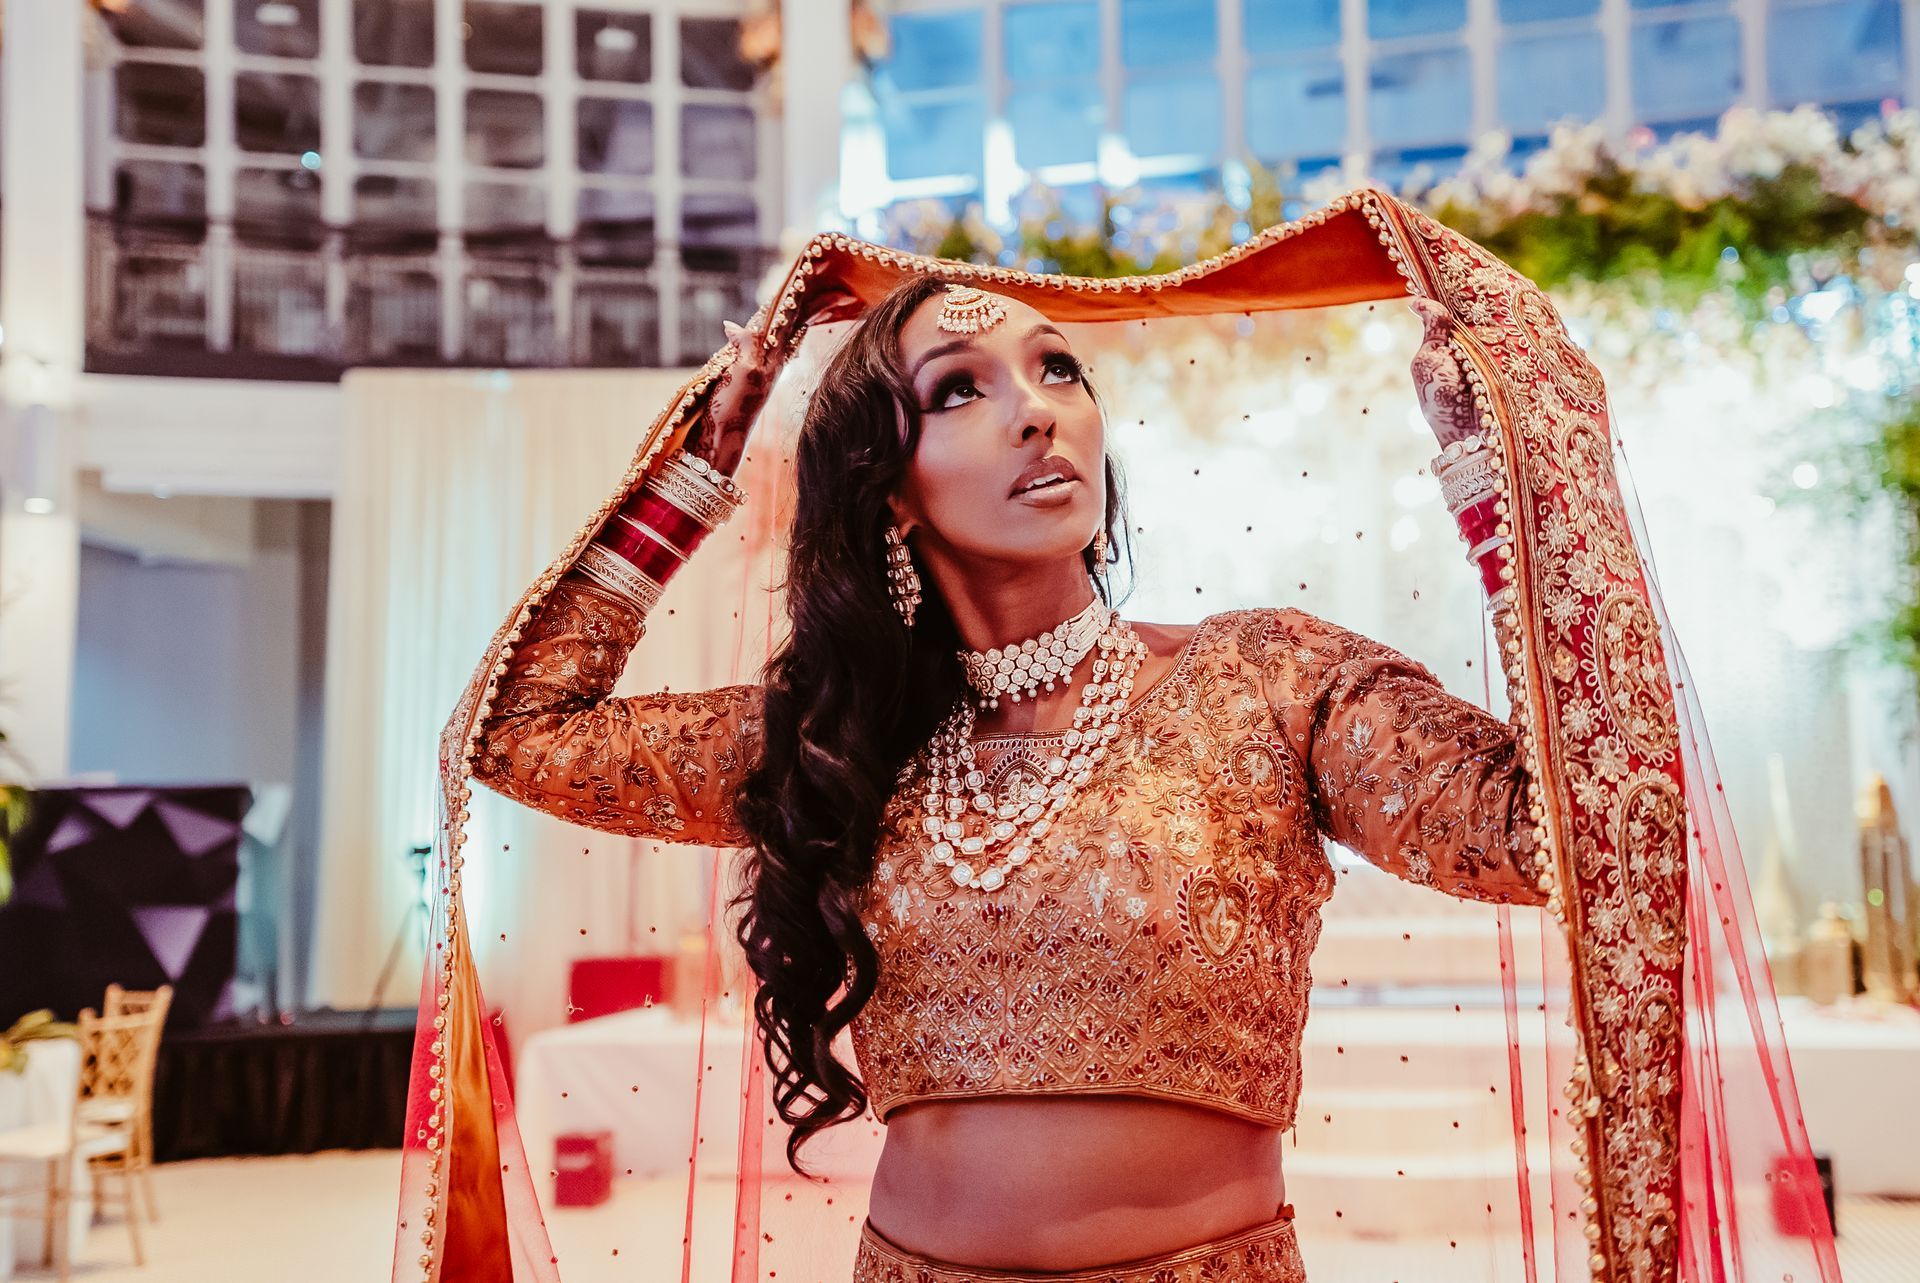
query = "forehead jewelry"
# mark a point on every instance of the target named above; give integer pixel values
(968, 310)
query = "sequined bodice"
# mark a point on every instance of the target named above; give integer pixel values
(1159, 943)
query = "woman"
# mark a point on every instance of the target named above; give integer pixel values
(1060, 872)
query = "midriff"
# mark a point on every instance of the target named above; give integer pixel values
(1061, 1182)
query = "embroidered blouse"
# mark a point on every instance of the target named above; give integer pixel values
(1159, 943)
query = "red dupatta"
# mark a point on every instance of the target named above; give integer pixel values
(1681, 1154)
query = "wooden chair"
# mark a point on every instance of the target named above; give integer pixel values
(49, 1145)
(116, 1091)
(152, 1003)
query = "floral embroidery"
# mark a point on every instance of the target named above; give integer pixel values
(1205, 832)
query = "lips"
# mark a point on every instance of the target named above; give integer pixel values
(1042, 474)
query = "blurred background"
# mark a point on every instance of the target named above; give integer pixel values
(322, 323)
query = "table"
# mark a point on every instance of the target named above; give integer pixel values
(1857, 1066)
(46, 1090)
(616, 1073)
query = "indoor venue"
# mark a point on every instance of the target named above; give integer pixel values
(1400, 510)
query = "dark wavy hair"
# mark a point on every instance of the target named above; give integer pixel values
(850, 695)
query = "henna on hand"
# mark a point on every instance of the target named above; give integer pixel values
(1446, 397)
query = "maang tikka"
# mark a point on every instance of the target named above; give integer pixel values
(903, 581)
(969, 310)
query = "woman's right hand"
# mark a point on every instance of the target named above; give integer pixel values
(742, 388)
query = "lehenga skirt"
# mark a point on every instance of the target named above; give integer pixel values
(1264, 1253)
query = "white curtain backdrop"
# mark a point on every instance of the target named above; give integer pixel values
(457, 489)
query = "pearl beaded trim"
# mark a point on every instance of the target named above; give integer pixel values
(955, 782)
(1021, 670)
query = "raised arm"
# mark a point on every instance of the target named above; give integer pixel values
(1424, 784)
(659, 766)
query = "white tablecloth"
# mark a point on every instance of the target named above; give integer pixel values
(1857, 1068)
(44, 1092)
(632, 1074)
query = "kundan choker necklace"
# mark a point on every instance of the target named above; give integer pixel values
(1023, 668)
(956, 784)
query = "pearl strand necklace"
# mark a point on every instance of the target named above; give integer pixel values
(1020, 669)
(955, 781)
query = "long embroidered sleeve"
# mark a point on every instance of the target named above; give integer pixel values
(659, 766)
(1426, 785)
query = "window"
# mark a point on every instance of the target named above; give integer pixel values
(1387, 19)
(281, 28)
(710, 55)
(1056, 125)
(516, 208)
(1052, 41)
(934, 51)
(393, 121)
(934, 139)
(1421, 97)
(616, 226)
(1833, 52)
(1278, 25)
(278, 206)
(1052, 64)
(161, 104)
(393, 33)
(614, 136)
(504, 129)
(273, 112)
(395, 212)
(505, 39)
(1164, 33)
(717, 142)
(173, 26)
(1685, 67)
(162, 195)
(1542, 10)
(613, 46)
(1297, 109)
(1548, 78)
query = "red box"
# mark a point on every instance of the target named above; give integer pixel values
(583, 1169)
(602, 986)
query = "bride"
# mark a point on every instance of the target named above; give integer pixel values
(1058, 871)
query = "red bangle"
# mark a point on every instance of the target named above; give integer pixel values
(672, 524)
(650, 556)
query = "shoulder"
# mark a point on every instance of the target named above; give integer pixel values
(1296, 647)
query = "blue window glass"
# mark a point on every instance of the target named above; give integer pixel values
(1057, 125)
(1274, 25)
(934, 50)
(1540, 10)
(1164, 33)
(1394, 168)
(1685, 67)
(928, 140)
(1389, 18)
(1296, 109)
(1833, 51)
(1177, 116)
(1051, 41)
(1543, 79)
(1420, 98)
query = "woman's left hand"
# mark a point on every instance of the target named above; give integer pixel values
(1446, 398)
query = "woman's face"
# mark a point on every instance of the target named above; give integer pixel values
(1010, 465)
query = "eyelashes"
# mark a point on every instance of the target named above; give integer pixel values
(1064, 362)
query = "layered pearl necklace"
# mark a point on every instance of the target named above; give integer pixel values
(956, 784)
(1021, 670)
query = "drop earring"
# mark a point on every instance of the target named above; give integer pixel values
(1100, 552)
(903, 581)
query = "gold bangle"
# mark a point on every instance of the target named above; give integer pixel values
(615, 572)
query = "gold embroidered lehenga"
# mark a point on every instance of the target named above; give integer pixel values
(1164, 947)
